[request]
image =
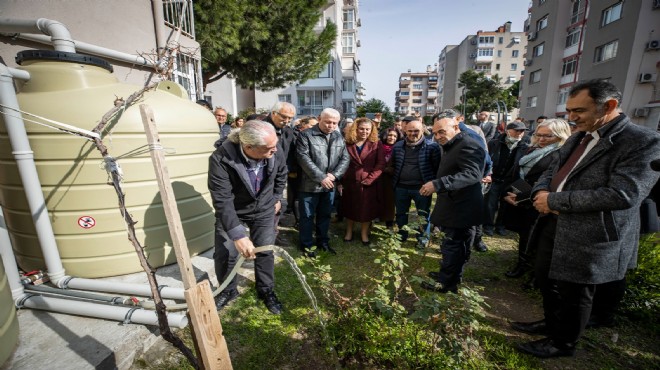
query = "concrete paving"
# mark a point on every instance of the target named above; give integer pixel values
(50, 340)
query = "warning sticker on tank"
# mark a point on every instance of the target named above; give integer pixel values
(86, 222)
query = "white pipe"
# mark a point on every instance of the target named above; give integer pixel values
(59, 34)
(102, 311)
(121, 288)
(19, 74)
(95, 50)
(9, 261)
(28, 172)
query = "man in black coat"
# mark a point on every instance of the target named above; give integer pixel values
(246, 180)
(459, 203)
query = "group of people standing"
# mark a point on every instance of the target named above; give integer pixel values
(573, 196)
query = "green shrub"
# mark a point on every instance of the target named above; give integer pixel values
(642, 298)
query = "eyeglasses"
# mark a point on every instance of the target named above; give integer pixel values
(538, 136)
(284, 116)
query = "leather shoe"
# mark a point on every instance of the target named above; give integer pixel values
(546, 348)
(435, 275)
(481, 247)
(488, 231)
(225, 297)
(516, 272)
(328, 248)
(270, 300)
(438, 288)
(534, 327)
(501, 231)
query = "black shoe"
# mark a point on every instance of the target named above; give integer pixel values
(367, 243)
(308, 252)
(501, 231)
(435, 275)
(534, 327)
(348, 240)
(270, 300)
(225, 297)
(488, 231)
(516, 272)
(597, 323)
(438, 288)
(481, 247)
(328, 248)
(546, 348)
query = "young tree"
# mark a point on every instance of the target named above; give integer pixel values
(374, 105)
(262, 43)
(484, 93)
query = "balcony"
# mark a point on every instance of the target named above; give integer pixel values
(404, 83)
(432, 94)
(484, 59)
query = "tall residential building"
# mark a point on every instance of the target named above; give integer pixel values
(418, 92)
(500, 52)
(336, 86)
(581, 40)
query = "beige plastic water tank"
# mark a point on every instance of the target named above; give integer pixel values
(90, 232)
(8, 320)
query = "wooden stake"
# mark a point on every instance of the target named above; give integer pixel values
(206, 326)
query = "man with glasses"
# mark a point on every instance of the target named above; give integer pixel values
(323, 159)
(221, 118)
(459, 198)
(246, 180)
(415, 160)
(280, 117)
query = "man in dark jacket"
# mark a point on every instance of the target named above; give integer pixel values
(590, 198)
(415, 161)
(323, 159)
(505, 151)
(281, 114)
(246, 180)
(460, 200)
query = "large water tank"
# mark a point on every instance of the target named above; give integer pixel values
(8, 320)
(90, 232)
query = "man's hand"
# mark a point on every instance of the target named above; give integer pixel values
(510, 198)
(427, 189)
(487, 179)
(541, 202)
(328, 182)
(245, 248)
(278, 207)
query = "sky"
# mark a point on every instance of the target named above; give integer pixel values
(397, 35)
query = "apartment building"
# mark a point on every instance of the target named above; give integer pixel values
(580, 40)
(418, 93)
(336, 86)
(500, 52)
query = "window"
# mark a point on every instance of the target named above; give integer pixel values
(486, 39)
(433, 78)
(348, 43)
(541, 2)
(537, 51)
(284, 97)
(405, 93)
(482, 67)
(416, 78)
(501, 40)
(312, 102)
(417, 101)
(542, 23)
(417, 93)
(531, 102)
(575, 12)
(535, 77)
(563, 96)
(569, 67)
(485, 52)
(417, 86)
(606, 52)
(173, 18)
(347, 85)
(349, 19)
(499, 53)
(348, 106)
(573, 37)
(514, 53)
(185, 72)
(328, 71)
(514, 66)
(497, 67)
(611, 14)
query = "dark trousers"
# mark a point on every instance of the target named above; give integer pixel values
(455, 250)
(403, 197)
(226, 255)
(313, 205)
(545, 240)
(493, 205)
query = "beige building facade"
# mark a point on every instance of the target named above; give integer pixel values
(570, 41)
(418, 93)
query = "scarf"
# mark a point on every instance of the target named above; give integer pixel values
(408, 143)
(388, 151)
(530, 159)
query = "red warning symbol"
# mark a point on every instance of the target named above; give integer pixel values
(86, 222)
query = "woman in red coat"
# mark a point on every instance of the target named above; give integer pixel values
(360, 191)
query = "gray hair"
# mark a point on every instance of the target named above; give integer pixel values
(447, 113)
(282, 104)
(330, 112)
(253, 133)
(559, 127)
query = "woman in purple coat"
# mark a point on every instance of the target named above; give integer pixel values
(360, 191)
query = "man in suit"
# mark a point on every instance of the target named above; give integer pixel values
(246, 181)
(486, 125)
(590, 198)
(459, 203)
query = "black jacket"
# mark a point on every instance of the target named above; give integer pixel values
(233, 198)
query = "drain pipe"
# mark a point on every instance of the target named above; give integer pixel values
(9, 261)
(59, 34)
